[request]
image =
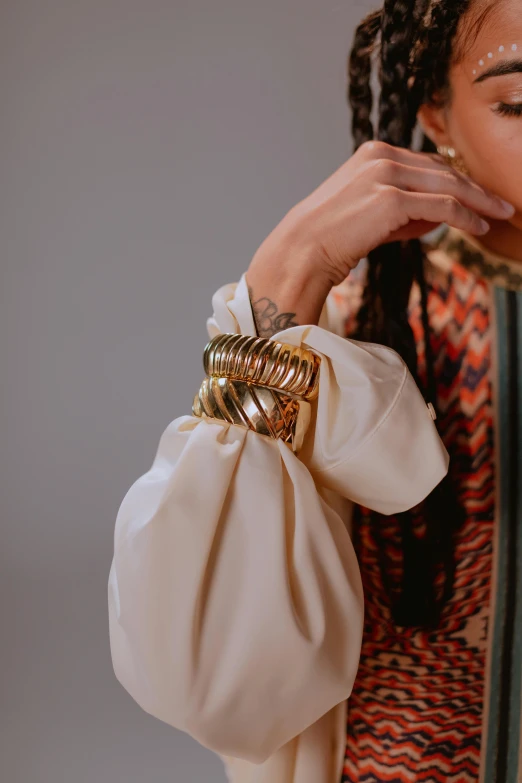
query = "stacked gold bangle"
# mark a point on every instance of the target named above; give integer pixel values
(257, 383)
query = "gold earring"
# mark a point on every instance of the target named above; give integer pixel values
(452, 159)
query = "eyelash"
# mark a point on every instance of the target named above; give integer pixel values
(509, 109)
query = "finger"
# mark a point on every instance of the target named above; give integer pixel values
(436, 208)
(424, 160)
(413, 230)
(369, 159)
(469, 193)
(375, 150)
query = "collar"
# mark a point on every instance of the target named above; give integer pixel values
(465, 249)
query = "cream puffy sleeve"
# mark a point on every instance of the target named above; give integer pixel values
(235, 597)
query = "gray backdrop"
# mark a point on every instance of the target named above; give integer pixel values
(147, 148)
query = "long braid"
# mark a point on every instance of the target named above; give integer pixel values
(382, 315)
(359, 71)
(434, 50)
(408, 48)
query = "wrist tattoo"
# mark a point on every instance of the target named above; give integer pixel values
(266, 317)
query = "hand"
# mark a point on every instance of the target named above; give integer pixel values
(380, 194)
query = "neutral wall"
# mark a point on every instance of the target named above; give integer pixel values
(146, 149)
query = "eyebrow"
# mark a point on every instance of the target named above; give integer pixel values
(501, 68)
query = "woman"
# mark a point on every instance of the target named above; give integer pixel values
(340, 600)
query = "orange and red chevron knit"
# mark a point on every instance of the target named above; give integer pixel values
(417, 707)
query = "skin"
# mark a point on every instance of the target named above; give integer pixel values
(489, 143)
(383, 193)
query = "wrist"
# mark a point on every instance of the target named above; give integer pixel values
(286, 285)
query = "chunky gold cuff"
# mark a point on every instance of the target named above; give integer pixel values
(265, 362)
(261, 409)
(258, 383)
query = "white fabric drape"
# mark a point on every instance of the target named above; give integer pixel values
(235, 597)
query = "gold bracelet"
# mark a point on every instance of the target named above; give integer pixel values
(259, 383)
(259, 408)
(263, 361)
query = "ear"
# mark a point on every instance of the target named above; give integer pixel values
(433, 121)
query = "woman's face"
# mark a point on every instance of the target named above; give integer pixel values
(484, 121)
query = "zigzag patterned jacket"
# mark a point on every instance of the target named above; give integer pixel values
(246, 601)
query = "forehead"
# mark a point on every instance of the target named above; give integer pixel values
(489, 25)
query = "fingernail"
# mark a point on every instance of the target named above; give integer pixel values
(484, 226)
(507, 207)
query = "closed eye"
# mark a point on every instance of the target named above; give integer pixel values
(509, 109)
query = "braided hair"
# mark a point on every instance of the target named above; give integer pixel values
(418, 41)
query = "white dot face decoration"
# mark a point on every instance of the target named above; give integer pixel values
(490, 55)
